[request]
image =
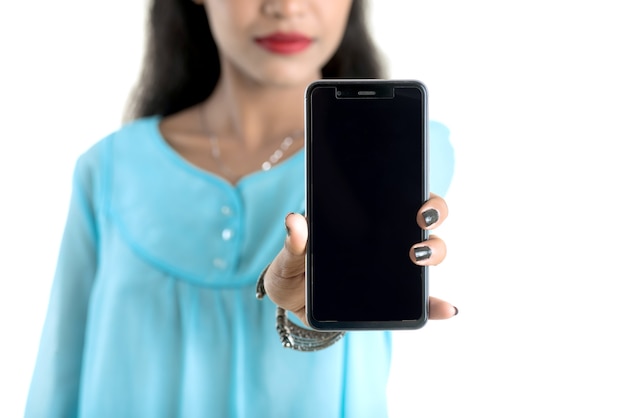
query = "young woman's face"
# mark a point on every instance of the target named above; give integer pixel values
(277, 42)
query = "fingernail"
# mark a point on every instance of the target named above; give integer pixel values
(422, 253)
(286, 227)
(430, 216)
(456, 311)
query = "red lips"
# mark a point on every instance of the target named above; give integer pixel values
(284, 43)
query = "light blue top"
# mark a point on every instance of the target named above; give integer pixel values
(153, 311)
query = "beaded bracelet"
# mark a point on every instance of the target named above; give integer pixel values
(294, 336)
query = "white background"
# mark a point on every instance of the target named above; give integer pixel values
(534, 95)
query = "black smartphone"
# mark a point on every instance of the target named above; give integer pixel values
(366, 177)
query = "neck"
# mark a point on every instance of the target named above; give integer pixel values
(255, 113)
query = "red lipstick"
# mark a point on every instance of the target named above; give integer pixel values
(284, 43)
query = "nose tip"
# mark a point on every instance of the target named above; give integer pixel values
(281, 9)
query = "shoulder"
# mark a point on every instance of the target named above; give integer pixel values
(94, 164)
(438, 129)
(439, 140)
(442, 158)
(131, 134)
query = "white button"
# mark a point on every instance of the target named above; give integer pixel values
(226, 210)
(219, 263)
(227, 234)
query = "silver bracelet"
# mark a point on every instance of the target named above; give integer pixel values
(294, 336)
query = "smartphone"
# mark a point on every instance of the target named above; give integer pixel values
(366, 177)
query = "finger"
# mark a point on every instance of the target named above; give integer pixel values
(440, 309)
(428, 253)
(284, 279)
(433, 212)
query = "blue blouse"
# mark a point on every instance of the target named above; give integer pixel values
(153, 313)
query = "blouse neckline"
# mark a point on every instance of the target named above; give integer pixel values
(179, 160)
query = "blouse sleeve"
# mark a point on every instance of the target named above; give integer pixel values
(55, 383)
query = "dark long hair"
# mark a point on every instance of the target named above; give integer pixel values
(181, 63)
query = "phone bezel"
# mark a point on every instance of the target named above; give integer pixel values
(351, 89)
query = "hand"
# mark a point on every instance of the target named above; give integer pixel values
(284, 279)
(430, 216)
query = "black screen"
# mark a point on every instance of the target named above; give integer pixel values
(365, 182)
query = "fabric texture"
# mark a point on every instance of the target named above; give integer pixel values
(153, 312)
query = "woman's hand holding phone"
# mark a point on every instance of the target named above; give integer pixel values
(285, 278)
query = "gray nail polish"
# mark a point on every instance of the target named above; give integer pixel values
(430, 216)
(422, 253)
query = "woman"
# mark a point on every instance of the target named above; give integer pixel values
(174, 216)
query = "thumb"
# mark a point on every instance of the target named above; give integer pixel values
(297, 234)
(284, 279)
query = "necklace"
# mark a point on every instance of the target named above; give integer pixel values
(271, 161)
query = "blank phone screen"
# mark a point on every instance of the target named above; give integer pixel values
(366, 166)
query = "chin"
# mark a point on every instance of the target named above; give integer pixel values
(282, 72)
(285, 83)
(286, 78)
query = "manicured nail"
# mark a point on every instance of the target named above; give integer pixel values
(286, 227)
(430, 216)
(422, 253)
